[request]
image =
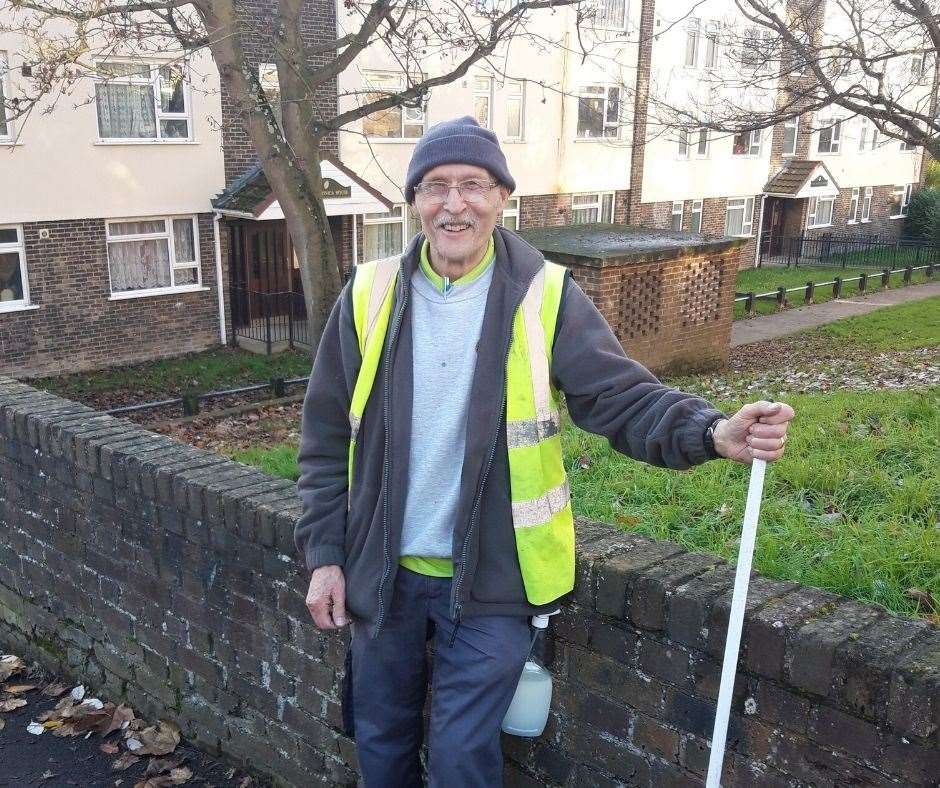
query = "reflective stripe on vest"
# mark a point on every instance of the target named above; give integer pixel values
(539, 493)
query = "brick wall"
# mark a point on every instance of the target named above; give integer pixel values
(165, 575)
(77, 327)
(881, 224)
(554, 210)
(258, 19)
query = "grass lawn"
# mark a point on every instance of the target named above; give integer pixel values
(766, 279)
(212, 370)
(902, 327)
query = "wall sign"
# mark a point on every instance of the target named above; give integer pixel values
(333, 189)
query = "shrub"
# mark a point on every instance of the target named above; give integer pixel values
(923, 216)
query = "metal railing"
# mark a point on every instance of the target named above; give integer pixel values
(269, 318)
(843, 251)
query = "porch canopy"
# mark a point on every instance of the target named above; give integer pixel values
(250, 197)
(800, 178)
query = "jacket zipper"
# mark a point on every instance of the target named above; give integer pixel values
(386, 405)
(486, 472)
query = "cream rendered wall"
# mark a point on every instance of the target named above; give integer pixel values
(548, 160)
(667, 176)
(61, 170)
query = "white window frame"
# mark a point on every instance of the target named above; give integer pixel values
(598, 205)
(486, 93)
(834, 126)
(606, 124)
(682, 151)
(866, 204)
(388, 217)
(711, 45)
(420, 114)
(907, 146)
(752, 146)
(793, 123)
(680, 205)
(812, 212)
(747, 220)
(5, 91)
(693, 42)
(863, 141)
(167, 235)
(696, 210)
(514, 96)
(905, 193)
(159, 115)
(699, 154)
(854, 206)
(601, 22)
(511, 211)
(17, 247)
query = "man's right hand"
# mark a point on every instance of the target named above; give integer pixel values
(326, 597)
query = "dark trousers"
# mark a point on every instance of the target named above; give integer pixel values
(472, 685)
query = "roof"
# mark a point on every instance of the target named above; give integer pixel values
(251, 193)
(595, 244)
(792, 178)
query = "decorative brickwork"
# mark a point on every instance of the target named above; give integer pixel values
(166, 576)
(641, 304)
(76, 327)
(702, 285)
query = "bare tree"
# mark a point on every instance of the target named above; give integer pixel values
(65, 39)
(775, 60)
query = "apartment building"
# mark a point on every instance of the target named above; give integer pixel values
(108, 250)
(819, 173)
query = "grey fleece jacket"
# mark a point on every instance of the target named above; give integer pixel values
(606, 392)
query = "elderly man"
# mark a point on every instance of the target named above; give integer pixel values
(435, 498)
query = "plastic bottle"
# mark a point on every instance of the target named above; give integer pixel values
(528, 712)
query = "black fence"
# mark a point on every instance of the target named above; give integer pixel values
(844, 251)
(271, 319)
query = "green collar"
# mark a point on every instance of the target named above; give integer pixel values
(442, 283)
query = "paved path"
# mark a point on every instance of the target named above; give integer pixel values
(790, 321)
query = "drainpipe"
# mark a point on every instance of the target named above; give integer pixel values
(355, 249)
(760, 228)
(218, 277)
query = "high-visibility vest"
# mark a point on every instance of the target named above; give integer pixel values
(540, 495)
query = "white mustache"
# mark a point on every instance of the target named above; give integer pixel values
(454, 220)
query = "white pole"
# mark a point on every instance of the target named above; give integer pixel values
(218, 277)
(736, 621)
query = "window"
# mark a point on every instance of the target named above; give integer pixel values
(739, 216)
(853, 208)
(510, 217)
(141, 101)
(756, 47)
(599, 112)
(864, 134)
(790, 129)
(483, 101)
(610, 14)
(701, 144)
(866, 204)
(899, 200)
(515, 109)
(693, 33)
(746, 143)
(14, 287)
(147, 256)
(588, 208)
(820, 211)
(918, 69)
(711, 45)
(675, 221)
(829, 136)
(695, 218)
(683, 143)
(383, 234)
(5, 130)
(907, 145)
(395, 122)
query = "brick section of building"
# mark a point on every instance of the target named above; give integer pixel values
(641, 108)
(880, 224)
(554, 210)
(165, 576)
(670, 315)
(76, 327)
(259, 19)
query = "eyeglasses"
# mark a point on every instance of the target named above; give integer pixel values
(472, 191)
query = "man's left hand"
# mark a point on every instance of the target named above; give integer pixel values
(757, 431)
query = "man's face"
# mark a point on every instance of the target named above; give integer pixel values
(457, 229)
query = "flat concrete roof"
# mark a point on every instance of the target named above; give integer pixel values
(606, 244)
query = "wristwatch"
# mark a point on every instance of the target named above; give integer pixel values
(709, 438)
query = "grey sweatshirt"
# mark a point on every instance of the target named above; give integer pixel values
(445, 331)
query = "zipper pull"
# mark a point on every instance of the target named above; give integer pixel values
(453, 635)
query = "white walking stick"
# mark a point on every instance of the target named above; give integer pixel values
(733, 643)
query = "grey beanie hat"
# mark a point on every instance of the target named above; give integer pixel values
(459, 141)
